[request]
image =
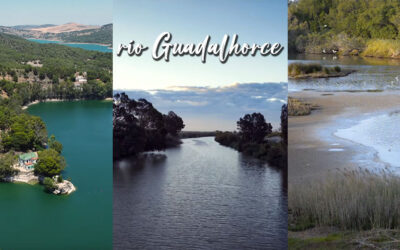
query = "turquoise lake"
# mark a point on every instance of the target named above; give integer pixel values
(86, 46)
(33, 219)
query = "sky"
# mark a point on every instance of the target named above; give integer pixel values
(190, 21)
(209, 109)
(22, 12)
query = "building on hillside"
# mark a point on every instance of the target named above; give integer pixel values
(28, 160)
(80, 79)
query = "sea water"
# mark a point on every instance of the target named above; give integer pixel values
(379, 132)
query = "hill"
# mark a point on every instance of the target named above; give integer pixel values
(28, 27)
(68, 27)
(70, 32)
(52, 70)
(346, 27)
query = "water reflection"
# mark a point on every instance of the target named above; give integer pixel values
(202, 196)
(371, 73)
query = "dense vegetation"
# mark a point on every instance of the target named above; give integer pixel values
(348, 27)
(42, 71)
(297, 107)
(356, 200)
(305, 70)
(6, 162)
(253, 139)
(31, 71)
(139, 127)
(50, 163)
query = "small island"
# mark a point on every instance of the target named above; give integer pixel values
(33, 167)
(315, 70)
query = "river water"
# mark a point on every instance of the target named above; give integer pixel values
(200, 196)
(379, 130)
(33, 219)
(370, 73)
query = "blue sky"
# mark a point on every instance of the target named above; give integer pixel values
(189, 21)
(95, 12)
(207, 109)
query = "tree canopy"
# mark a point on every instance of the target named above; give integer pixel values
(50, 163)
(253, 128)
(341, 24)
(139, 127)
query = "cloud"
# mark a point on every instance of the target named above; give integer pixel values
(210, 108)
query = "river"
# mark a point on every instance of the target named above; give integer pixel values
(200, 196)
(370, 73)
(375, 128)
(33, 219)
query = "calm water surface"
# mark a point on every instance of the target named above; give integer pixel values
(33, 219)
(371, 73)
(86, 46)
(201, 196)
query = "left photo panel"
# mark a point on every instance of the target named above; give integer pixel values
(56, 125)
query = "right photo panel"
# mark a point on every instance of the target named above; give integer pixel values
(344, 113)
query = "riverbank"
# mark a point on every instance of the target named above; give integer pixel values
(314, 150)
(342, 185)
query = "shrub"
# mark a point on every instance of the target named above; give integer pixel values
(49, 184)
(60, 179)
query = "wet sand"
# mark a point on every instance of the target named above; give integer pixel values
(313, 149)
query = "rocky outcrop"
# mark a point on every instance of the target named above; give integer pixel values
(65, 187)
(28, 176)
(24, 177)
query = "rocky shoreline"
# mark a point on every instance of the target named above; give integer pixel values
(28, 176)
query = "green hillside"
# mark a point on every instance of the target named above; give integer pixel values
(41, 71)
(345, 27)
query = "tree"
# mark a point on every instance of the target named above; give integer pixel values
(253, 128)
(139, 127)
(54, 144)
(49, 184)
(173, 123)
(50, 163)
(6, 162)
(284, 123)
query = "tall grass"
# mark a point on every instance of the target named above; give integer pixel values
(357, 200)
(298, 107)
(382, 48)
(298, 69)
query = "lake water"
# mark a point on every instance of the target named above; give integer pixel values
(86, 46)
(33, 219)
(201, 196)
(371, 73)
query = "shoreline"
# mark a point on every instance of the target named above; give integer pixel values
(62, 100)
(315, 150)
(63, 42)
(28, 177)
(291, 55)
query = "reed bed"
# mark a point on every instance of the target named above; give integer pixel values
(297, 107)
(382, 48)
(349, 200)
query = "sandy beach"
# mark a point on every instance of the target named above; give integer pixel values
(315, 151)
